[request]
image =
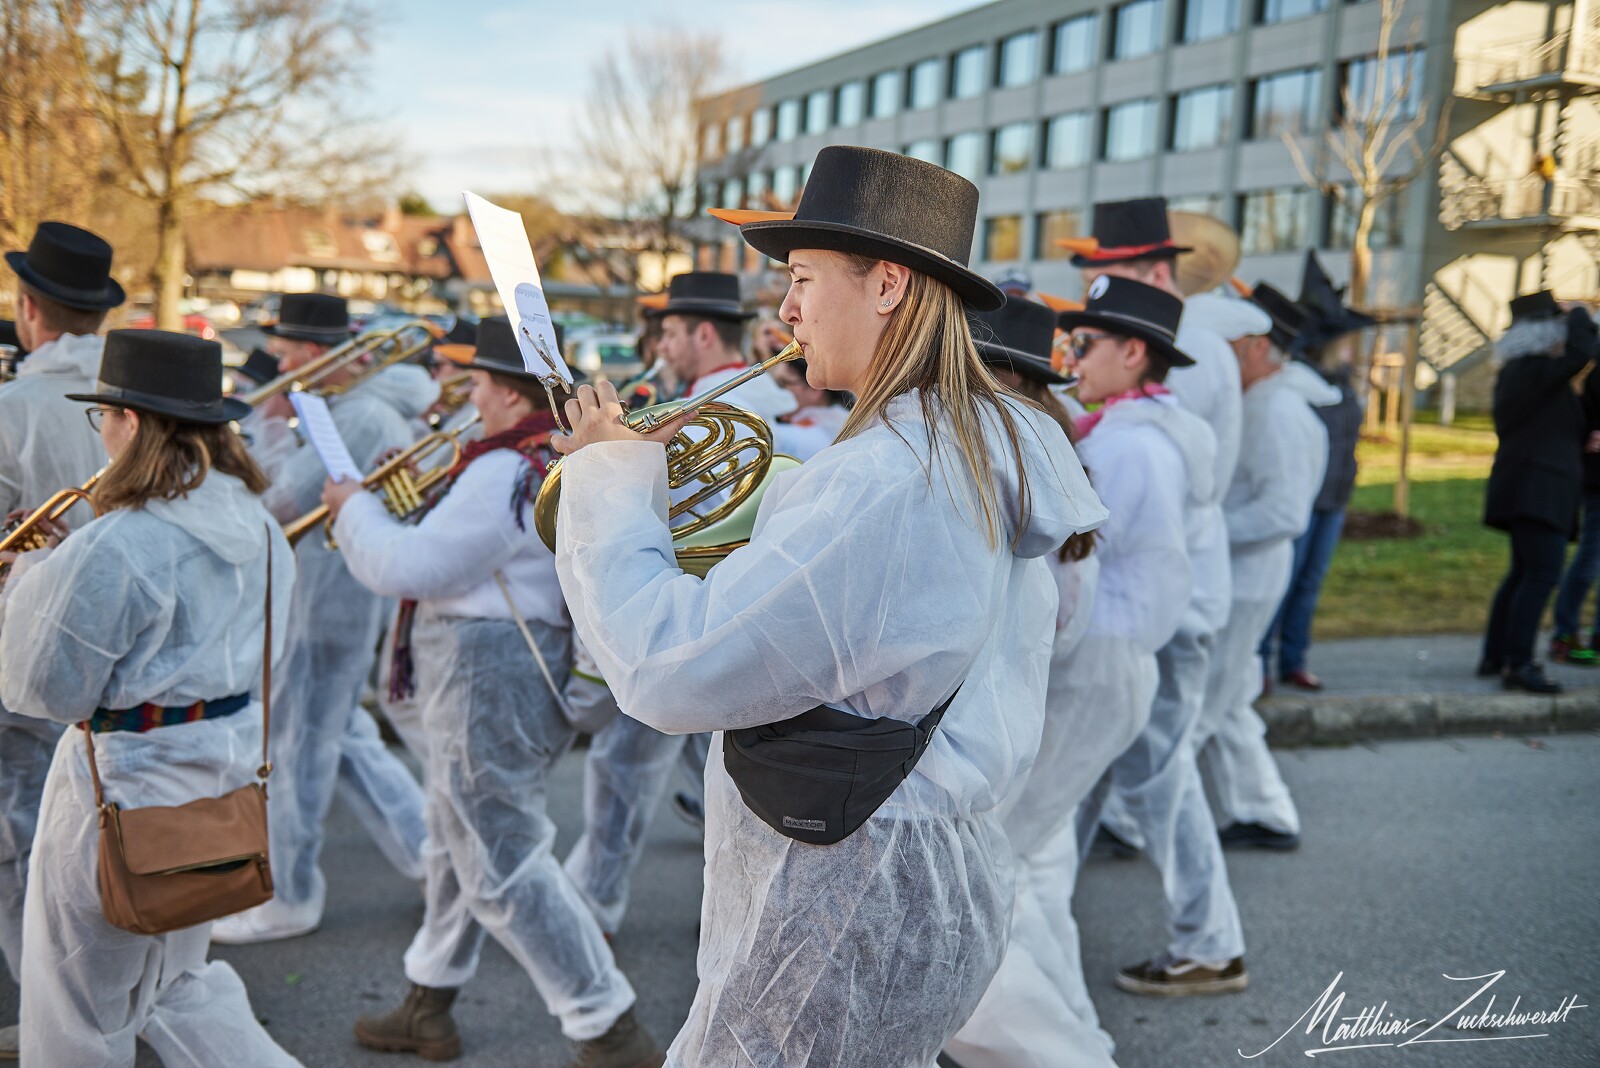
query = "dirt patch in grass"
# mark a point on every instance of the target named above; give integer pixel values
(1374, 526)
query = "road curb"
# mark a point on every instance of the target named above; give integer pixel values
(1296, 720)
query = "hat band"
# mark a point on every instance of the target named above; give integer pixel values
(304, 329)
(1156, 328)
(136, 397)
(1123, 252)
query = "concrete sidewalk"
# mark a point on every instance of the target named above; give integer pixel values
(1416, 687)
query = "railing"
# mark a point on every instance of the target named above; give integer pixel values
(1473, 200)
(1535, 58)
(1449, 335)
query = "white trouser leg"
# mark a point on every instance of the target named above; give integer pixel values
(26, 747)
(383, 794)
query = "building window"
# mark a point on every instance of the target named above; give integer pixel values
(1204, 19)
(1388, 224)
(788, 120)
(851, 103)
(1392, 92)
(760, 127)
(755, 189)
(963, 154)
(885, 94)
(1072, 46)
(1051, 227)
(1012, 150)
(1019, 59)
(966, 73)
(923, 89)
(735, 135)
(733, 193)
(1270, 11)
(1275, 220)
(1212, 204)
(1285, 103)
(710, 141)
(1135, 29)
(819, 110)
(1130, 131)
(1002, 238)
(786, 184)
(1066, 140)
(929, 151)
(1202, 118)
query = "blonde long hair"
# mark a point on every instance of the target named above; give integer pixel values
(927, 346)
(167, 459)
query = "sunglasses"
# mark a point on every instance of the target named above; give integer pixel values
(1081, 343)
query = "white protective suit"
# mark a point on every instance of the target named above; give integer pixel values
(186, 580)
(1268, 505)
(333, 640)
(809, 430)
(871, 951)
(629, 763)
(46, 445)
(1155, 778)
(494, 733)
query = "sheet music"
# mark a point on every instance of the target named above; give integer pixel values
(316, 422)
(505, 246)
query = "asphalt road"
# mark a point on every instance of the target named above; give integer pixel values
(1421, 859)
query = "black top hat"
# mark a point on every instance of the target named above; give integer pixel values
(69, 265)
(868, 202)
(703, 293)
(1126, 230)
(1018, 336)
(319, 317)
(498, 353)
(1132, 309)
(1289, 320)
(1329, 318)
(462, 332)
(1540, 305)
(259, 367)
(175, 375)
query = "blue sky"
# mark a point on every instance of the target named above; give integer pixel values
(483, 94)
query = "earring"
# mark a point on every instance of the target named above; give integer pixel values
(888, 302)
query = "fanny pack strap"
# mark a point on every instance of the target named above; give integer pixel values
(533, 647)
(266, 697)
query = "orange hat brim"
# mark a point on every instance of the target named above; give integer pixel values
(460, 355)
(1238, 286)
(1059, 304)
(1083, 246)
(740, 216)
(652, 301)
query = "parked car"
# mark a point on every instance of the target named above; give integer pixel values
(614, 357)
(193, 323)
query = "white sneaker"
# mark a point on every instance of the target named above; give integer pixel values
(269, 922)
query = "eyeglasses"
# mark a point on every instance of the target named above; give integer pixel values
(97, 415)
(1080, 344)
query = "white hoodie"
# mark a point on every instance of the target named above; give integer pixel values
(46, 444)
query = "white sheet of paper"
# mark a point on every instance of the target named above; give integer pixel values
(316, 422)
(509, 256)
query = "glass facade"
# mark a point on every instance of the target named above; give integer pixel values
(1012, 151)
(735, 133)
(760, 127)
(1204, 19)
(966, 73)
(1130, 131)
(1270, 11)
(710, 141)
(923, 90)
(1388, 224)
(1203, 204)
(885, 94)
(1275, 220)
(963, 154)
(819, 111)
(1136, 29)
(929, 151)
(1073, 44)
(1201, 118)
(1052, 226)
(788, 120)
(732, 193)
(1388, 92)
(851, 103)
(1285, 103)
(1066, 140)
(786, 184)
(1002, 238)
(1019, 59)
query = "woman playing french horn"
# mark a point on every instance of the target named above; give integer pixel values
(896, 569)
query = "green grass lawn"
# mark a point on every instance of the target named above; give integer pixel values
(1440, 582)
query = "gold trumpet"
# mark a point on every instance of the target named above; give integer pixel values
(730, 451)
(26, 536)
(454, 393)
(401, 488)
(374, 351)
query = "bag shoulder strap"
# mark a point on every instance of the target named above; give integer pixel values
(929, 723)
(266, 699)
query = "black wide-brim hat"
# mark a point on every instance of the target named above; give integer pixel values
(1132, 309)
(175, 375)
(1329, 318)
(318, 317)
(69, 265)
(498, 353)
(1018, 336)
(867, 202)
(705, 294)
(259, 367)
(1125, 230)
(1289, 320)
(1540, 305)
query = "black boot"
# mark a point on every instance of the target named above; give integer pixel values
(1530, 678)
(421, 1025)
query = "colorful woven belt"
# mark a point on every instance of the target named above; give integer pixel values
(148, 716)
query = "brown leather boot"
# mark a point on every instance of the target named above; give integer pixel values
(421, 1025)
(626, 1045)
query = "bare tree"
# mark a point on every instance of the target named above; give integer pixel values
(220, 98)
(639, 137)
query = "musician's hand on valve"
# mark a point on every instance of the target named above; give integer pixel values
(335, 494)
(597, 416)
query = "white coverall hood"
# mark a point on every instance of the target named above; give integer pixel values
(1304, 380)
(1195, 442)
(221, 514)
(408, 389)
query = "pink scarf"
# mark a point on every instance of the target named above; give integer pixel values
(1088, 422)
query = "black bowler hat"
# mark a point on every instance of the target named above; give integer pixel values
(1540, 305)
(1018, 336)
(259, 367)
(868, 202)
(1329, 318)
(1125, 230)
(1132, 309)
(318, 317)
(497, 350)
(710, 294)
(69, 265)
(175, 375)
(1289, 320)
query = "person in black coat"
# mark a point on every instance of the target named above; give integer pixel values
(1537, 478)
(1568, 644)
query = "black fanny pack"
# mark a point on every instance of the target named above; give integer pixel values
(817, 777)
